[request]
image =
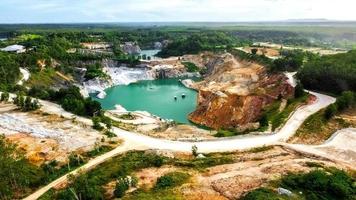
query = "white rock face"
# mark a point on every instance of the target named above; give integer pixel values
(119, 109)
(101, 95)
(188, 83)
(125, 75)
(95, 86)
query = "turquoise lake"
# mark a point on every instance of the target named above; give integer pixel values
(154, 96)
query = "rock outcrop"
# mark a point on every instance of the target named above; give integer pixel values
(131, 48)
(235, 92)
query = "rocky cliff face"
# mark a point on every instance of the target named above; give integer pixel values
(235, 92)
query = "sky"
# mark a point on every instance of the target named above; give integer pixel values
(76, 11)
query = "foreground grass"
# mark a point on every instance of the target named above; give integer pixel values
(316, 129)
(321, 183)
(89, 185)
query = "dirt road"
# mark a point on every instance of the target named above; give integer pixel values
(135, 141)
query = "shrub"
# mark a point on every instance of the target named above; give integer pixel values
(261, 194)
(4, 96)
(330, 111)
(319, 184)
(171, 180)
(96, 124)
(195, 150)
(121, 187)
(299, 90)
(191, 67)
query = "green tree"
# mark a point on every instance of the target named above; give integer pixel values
(121, 188)
(330, 111)
(299, 90)
(195, 150)
(96, 123)
(4, 96)
(254, 51)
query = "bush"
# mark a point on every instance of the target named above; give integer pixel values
(120, 188)
(261, 194)
(319, 184)
(330, 111)
(171, 180)
(96, 124)
(4, 96)
(299, 90)
(195, 150)
(190, 67)
(346, 100)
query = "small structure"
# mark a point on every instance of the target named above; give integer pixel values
(282, 191)
(14, 49)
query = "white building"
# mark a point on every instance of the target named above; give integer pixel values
(14, 48)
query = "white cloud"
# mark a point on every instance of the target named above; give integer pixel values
(173, 10)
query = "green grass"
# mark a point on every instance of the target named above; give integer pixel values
(260, 149)
(142, 194)
(25, 37)
(328, 184)
(172, 179)
(164, 188)
(203, 163)
(44, 78)
(277, 118)
(124, 165)
(191, 67)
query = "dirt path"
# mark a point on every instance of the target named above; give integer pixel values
(135, 141)
(340, 148)
(90, 165)
(25, 76)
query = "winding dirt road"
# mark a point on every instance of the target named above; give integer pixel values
(25, 76)
(135, 141)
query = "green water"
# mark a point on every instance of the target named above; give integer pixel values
(156, 97)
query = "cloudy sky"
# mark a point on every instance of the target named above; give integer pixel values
(57, 11)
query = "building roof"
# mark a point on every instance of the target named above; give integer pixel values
(13, 48)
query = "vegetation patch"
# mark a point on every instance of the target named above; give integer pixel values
(318, 127)
(191, 67)
(317, 184)
(331, 74)
(172, 179)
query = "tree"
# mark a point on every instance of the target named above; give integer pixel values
(346, 100)
(96, 123)
(195, 150)
(4, 96)
(299, 90)
(28, 104)
(254, 51)
(120, 188)
(330, 111)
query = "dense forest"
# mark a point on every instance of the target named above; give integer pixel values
(196, 43)
(331, 74)
(9, 71)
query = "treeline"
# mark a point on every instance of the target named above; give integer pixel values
(331, 74)
(274, 36)
(290, 60)
(9, 71)
(346, 100)
(199, 42)
(70, 99)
